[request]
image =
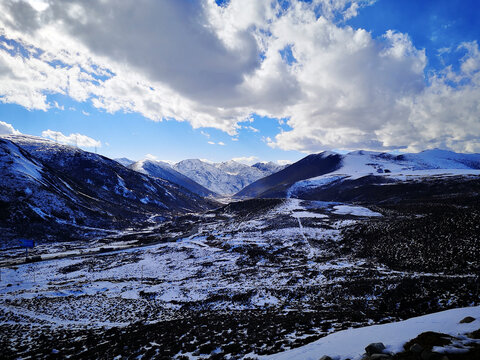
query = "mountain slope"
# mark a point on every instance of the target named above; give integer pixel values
(351, 343)
(63, 192)
(165, 171)
(124, 161)
(225, 178)
(379, 177)
(268, 167)
(276, 185)
(357, 174)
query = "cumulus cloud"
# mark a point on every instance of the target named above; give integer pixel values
(336, 86)
(151, 157)
(72, 139)
(8, 129)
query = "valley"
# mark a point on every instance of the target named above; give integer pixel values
(144, 262)
(253, 277)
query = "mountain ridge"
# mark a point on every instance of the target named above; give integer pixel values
(61, 191)
(380, 167)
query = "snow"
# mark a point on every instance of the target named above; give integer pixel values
(163, 170)
(354, 210)
(351, 343)
(23, 165)
(307, 214)
(225, 178)
(407, 167)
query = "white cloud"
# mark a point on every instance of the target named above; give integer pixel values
(251, 128)
(85, 113)
(57, 106)
(204, 133)
(151, 157)
(8, 129)
(72, 139)
(215, 66)
(248, 160)
(221, 143)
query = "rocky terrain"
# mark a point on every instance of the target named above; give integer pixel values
(249, 279)
(133, 265)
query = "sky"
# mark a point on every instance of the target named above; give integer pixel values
(252, 80)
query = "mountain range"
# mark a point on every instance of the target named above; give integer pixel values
(357, 239)
(205, 178)
(55, 191)
(62, 191)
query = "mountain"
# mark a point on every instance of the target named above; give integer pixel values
(63, 192)
(269, 167)
(361, 175)
(124, 161)
(276, 185)
(225, 178)
(163, 170)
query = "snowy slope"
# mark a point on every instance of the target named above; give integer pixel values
(376, 167)
(269, 167)
(46, 184)
(124, 161)
(224, 178)
(165, 171)
(277, 184)
(351, 343)
(386, 168)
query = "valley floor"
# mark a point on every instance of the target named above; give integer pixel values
(256, 277)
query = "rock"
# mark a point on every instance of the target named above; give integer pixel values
(467, 320)
(375, 348)
(429, 355)
(379, 357)
(416, 348)
(325, 357)
(474, 334)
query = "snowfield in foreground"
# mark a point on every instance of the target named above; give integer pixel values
(351, 343)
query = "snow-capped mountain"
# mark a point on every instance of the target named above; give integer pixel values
(269, 167)
(61, 191)
(276, 185)
(332, 171)
(163, 170)
(224, 178)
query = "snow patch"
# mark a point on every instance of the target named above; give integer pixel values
(351, 343)
(354, 211)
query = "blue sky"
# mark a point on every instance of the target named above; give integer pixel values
(383, 89)
(432, 25)
(133, 136)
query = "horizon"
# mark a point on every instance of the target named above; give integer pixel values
(251, 81)
(148, 157)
